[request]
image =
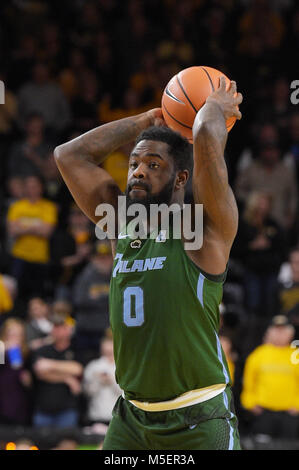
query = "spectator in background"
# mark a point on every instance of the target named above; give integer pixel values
(85, 105)
(260, 246)
(146, 79)
(262, 19)
(69, 76)
(23, 59)
(15, 189)
(67, 443)
(8, 293)
(265, 134)
(62, 308)
(28, 156)
(52, 51)
(38, 324)
(8, 111)
(117, 165)
(100, 386)
(271, 383)
(176, 46)
(279, 106)
(58, 379)
(70, 249)
(91, 301)
(30, 223)
(15, 378)
(269, 174)
(25, 444)
(293, 141)
(44, 97)
(134, 101)
(229, 352)
(289, 291)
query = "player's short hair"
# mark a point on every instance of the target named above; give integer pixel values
(179, 147)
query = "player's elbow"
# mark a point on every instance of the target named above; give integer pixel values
(60, 153)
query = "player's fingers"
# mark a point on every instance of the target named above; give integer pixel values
(222, 83)
(160, 122)
(238, 114)
(233, 88)
(239, 98)
(157, 112)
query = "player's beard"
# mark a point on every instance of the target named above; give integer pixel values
(163, 197)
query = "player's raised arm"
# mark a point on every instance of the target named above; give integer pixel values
(78, 160)
(210, 179)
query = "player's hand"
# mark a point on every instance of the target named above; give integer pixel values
(155, 117)
(228, 100)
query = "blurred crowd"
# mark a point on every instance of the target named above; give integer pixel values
(73, 65)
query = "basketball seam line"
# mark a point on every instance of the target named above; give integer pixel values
(179, 122)
(211, 82)
(182, 88)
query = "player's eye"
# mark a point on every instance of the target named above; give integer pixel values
(133, 165)
(154, 165)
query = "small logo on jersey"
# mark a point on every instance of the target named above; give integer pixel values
(135, 244)
(120, 236)
(161, 238)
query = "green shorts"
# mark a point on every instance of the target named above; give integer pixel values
(211, 425)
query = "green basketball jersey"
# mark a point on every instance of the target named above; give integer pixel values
(164, 315)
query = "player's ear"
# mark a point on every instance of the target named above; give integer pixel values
(181, 179)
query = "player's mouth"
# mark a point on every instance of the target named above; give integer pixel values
(138, 188)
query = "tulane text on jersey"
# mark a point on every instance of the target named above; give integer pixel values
(138, 265)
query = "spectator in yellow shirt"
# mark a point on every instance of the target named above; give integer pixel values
(8, 292)
(30, 222)
(271, 383)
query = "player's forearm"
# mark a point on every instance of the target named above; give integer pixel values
(209, 133)
(210, 172)
(95, 145)
(210, 179)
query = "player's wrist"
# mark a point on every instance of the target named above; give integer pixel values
(213, 102)
(146, 120)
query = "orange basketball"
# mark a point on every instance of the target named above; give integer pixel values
(186, 93)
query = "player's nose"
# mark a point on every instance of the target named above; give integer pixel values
(140, 171)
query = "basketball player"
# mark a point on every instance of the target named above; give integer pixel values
(164, 300)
